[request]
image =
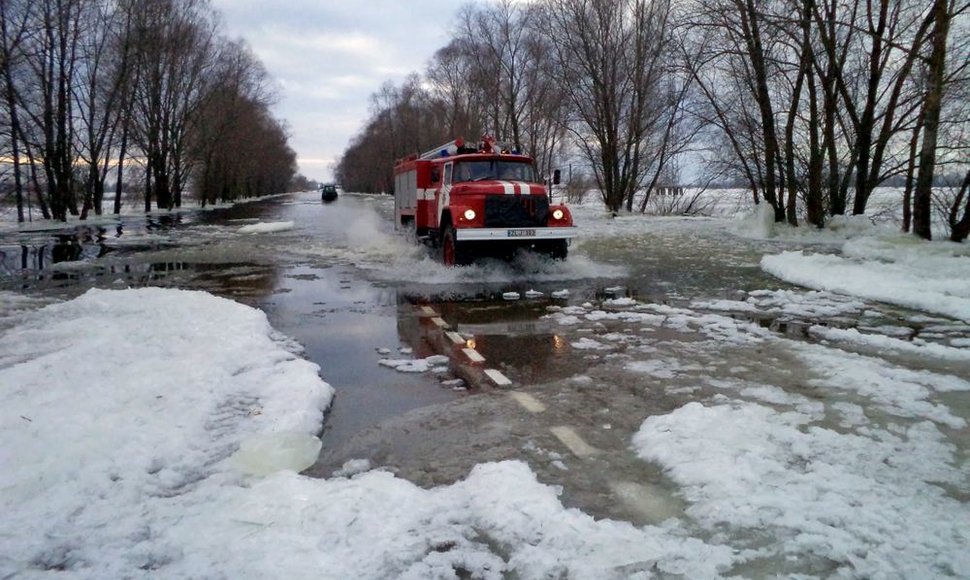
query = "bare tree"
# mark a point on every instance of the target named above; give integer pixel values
(837, 88)
(507, 64)
(448, 76)
(13, 27)
(942, 14)
(47, 96)
(608, 53)
(103, 63)
(175, 48)
(222, 131)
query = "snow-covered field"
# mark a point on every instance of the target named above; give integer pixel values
(158, 433)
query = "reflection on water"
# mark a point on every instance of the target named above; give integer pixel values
(163, 221)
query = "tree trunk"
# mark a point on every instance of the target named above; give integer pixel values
(931, 119)
(960, 226)
(15, 143)
(911, 177)
(752, 34)
(866, 124)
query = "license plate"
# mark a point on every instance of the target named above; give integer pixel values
(522, 233)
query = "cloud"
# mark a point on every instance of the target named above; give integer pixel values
(329, 56)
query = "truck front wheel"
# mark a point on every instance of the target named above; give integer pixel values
(557, 249)
(452, 253)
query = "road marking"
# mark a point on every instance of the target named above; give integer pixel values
(573, 441)
(439, 322)
(455, 337)
(498, 378)
(530, 403)
(428, 311)
(652, 502)
(473, 355)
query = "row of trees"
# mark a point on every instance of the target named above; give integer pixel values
(811, 103)
(92, 88)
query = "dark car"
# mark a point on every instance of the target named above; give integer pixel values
(328, 192)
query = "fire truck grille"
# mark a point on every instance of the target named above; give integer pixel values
(513, 211)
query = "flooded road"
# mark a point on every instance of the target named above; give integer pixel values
(554, 363)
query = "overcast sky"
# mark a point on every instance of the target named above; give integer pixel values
(328, 56)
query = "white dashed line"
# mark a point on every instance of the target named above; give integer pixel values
(439, 322)
(473, 355)
(530, 403)
(498, 378)
(428, 311)
(454, 337)
(652, 502)
(573, 441)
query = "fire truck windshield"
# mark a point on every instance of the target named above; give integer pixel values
(493, 169)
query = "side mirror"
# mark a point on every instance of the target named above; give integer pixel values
(556, 177)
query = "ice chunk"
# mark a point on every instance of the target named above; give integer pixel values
(405, 365)
(353, 467)
(510, 295)
(420, 365)
(588, 344)
(271, 452)
(561, 294)
(533, 294)
(263, 228)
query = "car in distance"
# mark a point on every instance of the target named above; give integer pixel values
(328, 192)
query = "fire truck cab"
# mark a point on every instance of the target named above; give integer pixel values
(481, 199)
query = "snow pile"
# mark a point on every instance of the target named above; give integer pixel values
(266, 228)
(122, 412)
(871, 503)
(497, 523)
(899, 269)
(119, 401)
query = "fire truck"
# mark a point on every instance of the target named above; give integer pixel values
(478, 199)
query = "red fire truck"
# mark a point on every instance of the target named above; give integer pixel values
(478, 199)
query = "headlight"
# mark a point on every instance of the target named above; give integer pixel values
(557, 214)
(469, 214)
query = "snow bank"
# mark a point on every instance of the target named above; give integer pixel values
(119, 401)
(377, 526)
(899, 270)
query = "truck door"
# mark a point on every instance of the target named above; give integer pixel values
(444, 200)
